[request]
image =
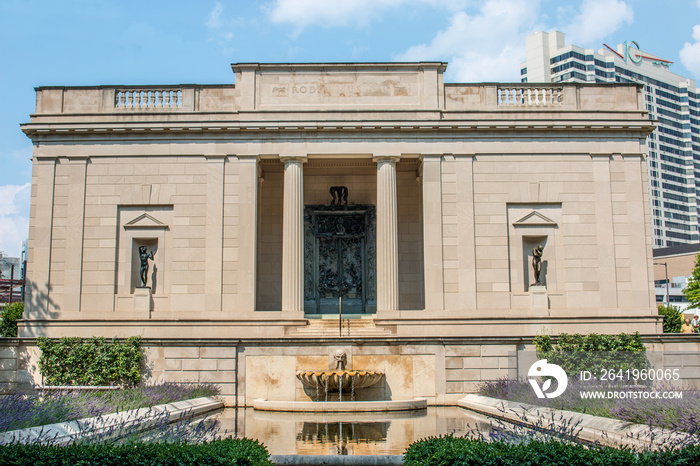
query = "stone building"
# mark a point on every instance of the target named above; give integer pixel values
(417, 202)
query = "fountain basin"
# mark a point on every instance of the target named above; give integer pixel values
(339, 379)
(340, 406)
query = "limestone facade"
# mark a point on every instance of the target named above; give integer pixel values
(466, 179)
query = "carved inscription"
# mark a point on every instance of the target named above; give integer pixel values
(385, 88)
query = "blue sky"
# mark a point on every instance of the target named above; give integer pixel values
(97, 42)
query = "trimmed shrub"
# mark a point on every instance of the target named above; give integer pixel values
(673, 318)
(449, 450)
(218, 452)
(93, 361)
(10, 314)
(446, 451)
(593, 352)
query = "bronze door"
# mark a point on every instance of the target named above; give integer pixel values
(339, 260)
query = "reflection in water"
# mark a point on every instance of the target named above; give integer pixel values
(342, 434)
(347, 433)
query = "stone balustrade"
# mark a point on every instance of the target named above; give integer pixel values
(125, 99)
(516, 96)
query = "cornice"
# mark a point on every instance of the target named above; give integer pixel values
(37, 130)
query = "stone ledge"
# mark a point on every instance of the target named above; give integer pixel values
(340, 406)
(65, 432)
(593, 429)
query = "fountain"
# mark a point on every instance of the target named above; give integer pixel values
(341, 381)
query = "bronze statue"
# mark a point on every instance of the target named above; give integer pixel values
(537, 263)
(144, 256)
(340, 195)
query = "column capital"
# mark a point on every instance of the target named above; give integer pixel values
(293, 158)
(386, 158)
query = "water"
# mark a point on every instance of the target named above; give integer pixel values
(346, 433)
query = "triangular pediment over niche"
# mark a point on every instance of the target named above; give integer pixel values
(145, 221)
(535, 219)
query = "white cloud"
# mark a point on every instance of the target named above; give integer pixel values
(332, 13)
(596, 20)
(14, 217)
(486, 46)
(214, 20)
(690, 53)
(221, 29)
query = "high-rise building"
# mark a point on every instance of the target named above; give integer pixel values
(673, 101)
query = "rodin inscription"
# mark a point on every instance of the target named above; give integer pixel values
(384, 88)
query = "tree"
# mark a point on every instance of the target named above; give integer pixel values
(8, 319)
(673, 318)
(692, 289)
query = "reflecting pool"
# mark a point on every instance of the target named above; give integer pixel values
(346, 433)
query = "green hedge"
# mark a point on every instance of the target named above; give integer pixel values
(593, 352)
(219, 452)
(10, 314)
(673, 318)
(448, 451)
(93, 361)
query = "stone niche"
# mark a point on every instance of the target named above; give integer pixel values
(147, 226)
(529, 226)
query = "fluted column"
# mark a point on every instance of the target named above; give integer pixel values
(293, 236)
(387, 235)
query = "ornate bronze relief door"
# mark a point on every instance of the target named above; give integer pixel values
(339, 259)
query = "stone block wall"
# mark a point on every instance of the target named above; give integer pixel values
(192, 205)
(9, 362)
(442, 372)
(596, 205)
(410, 219)
(269, 294)
(189, 362)
(676, 352)
(466, 367)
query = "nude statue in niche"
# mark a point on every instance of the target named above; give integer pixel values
(144, 256)
(537, 263)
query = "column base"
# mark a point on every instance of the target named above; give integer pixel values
(143, 304)
(293, 315)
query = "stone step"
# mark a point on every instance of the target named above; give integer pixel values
(329, 327)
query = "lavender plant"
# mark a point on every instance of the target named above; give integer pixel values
(22, 410)
(677, 413)
(682, 414)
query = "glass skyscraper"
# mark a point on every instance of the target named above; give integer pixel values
(673, 101)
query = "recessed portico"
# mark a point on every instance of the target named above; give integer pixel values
(346, 246)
